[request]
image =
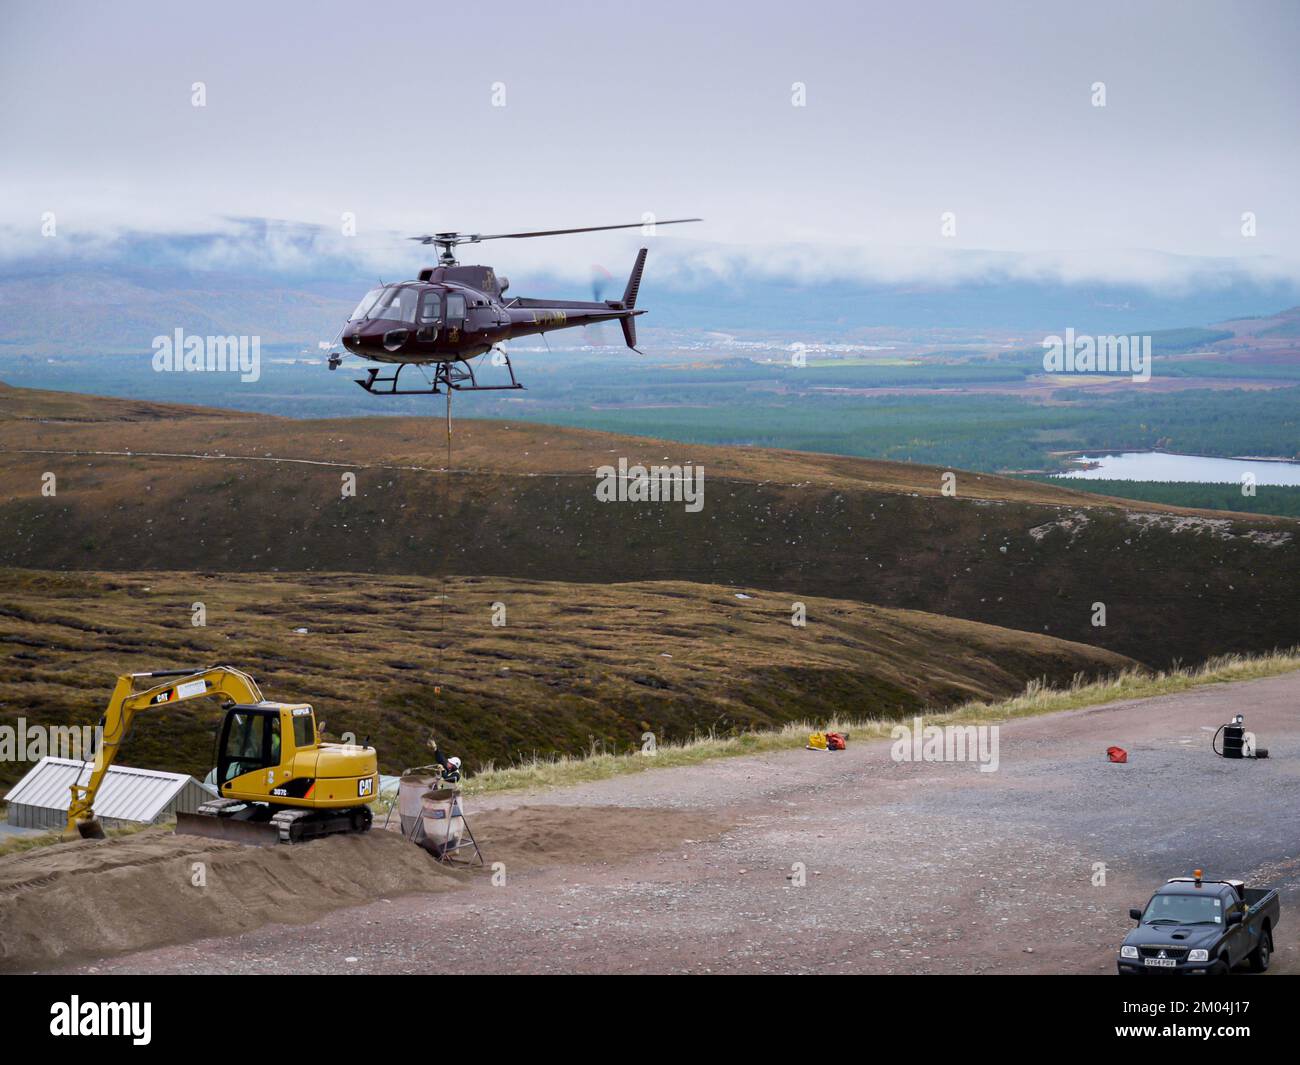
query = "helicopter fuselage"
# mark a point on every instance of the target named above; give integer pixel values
(452, 314)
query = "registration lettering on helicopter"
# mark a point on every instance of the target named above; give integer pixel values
(549, 317)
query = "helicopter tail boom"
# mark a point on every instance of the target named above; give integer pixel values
(542, 316)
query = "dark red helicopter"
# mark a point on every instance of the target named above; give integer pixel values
(455, 313)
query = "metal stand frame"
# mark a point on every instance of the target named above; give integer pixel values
(446, 854)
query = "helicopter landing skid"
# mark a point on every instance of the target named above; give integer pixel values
(452, 376)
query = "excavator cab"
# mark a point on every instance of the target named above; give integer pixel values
(270, 752)
(278, 782)
(249, 742)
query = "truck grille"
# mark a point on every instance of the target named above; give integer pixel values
(1177, 953)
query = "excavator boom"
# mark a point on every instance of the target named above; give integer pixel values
(125, 702)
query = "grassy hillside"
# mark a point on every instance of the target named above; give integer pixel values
(574, 666)
(204, 491)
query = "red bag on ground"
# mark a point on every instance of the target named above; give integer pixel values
(835, 742)
(1117, 754)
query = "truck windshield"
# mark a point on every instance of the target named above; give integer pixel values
(1184, 909)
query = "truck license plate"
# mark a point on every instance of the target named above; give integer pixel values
(1161, 963)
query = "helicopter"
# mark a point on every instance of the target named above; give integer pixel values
(453, 313)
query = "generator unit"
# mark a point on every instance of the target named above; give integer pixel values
(1236, 741)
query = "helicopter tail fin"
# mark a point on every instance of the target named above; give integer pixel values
(629, 300)
(634, 281)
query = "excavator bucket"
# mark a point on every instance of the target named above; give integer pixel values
(236, 830)
(91, 829)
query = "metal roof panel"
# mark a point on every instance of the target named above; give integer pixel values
(126, 793)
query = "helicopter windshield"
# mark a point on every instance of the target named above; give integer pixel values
(396, 303)
(365, 304)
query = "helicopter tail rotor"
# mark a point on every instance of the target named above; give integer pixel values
(600, 279)
(600, 282)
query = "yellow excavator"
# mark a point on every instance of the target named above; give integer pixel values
(277, 782)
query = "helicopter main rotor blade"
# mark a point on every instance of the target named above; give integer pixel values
(583, 229)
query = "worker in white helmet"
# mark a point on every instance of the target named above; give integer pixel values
(450, 766)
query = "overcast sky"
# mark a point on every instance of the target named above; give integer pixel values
(985, 110)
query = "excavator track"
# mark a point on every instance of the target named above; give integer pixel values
(298, 826)
(263, 826)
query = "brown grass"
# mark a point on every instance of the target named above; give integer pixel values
(146, 487)
(573, 665)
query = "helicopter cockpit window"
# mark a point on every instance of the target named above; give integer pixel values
(430, 307)
(395, 304)
(365, 304)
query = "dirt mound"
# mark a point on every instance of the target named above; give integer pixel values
(92, 898)
(532, 836)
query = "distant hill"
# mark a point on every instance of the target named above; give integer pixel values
(89, 312)
(294, 285)
(143, 488)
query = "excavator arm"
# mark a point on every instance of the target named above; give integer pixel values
(168, 688)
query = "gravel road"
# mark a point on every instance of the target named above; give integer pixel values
(909, 867)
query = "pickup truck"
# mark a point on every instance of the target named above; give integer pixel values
(1195, 926)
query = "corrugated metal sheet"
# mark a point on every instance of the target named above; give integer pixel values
(125, 795)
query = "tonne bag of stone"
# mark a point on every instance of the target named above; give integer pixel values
(441, 820)
(410, 800)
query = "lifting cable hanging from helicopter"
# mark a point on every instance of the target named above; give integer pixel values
(446, 507)
(452, 314)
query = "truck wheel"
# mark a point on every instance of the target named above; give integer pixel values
(1219, 968)
(1260, 955)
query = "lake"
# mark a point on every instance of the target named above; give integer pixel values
(1196, 469)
